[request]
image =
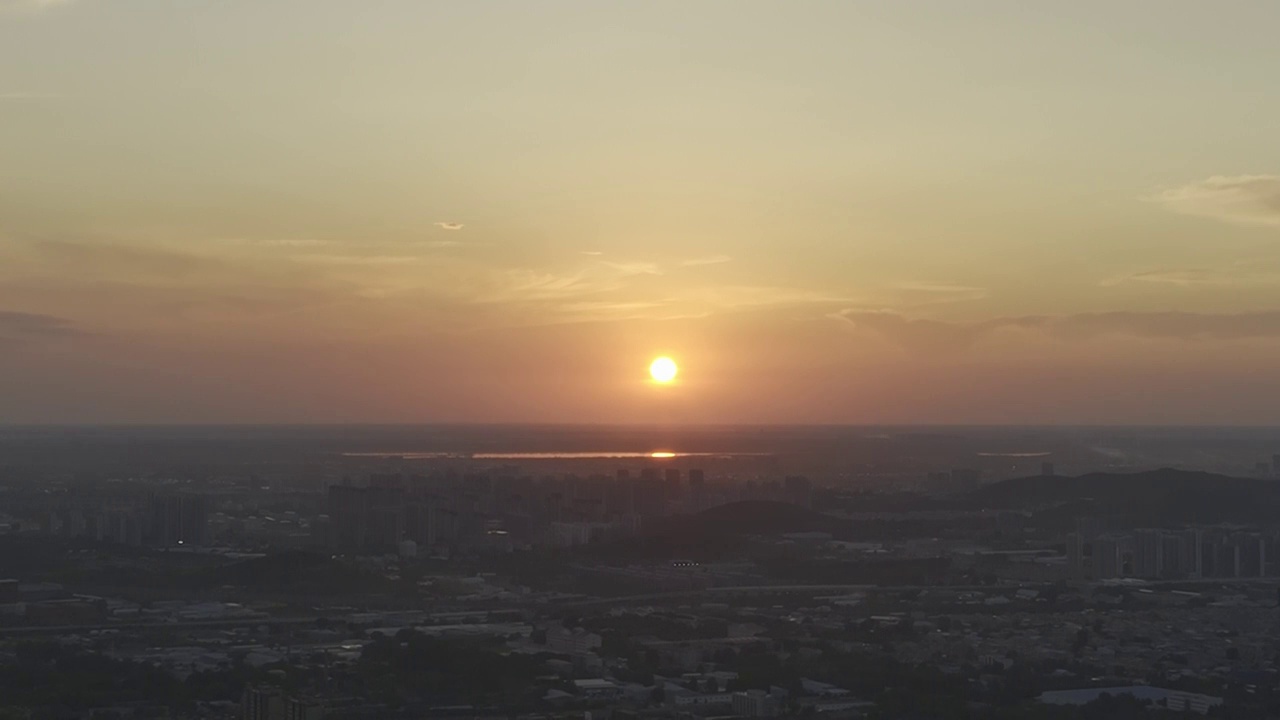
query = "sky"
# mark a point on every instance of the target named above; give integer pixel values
(836, 211)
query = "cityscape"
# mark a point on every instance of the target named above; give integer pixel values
(639, 360)
(261, 573)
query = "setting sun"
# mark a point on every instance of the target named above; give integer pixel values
(663, 370)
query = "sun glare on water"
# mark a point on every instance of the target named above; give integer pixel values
(663, 370)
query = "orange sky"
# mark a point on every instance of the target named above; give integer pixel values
(406, 211)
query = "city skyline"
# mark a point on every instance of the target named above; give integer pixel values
(824, 212)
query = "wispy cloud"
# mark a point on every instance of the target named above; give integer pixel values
(741, 297)
(31, 5)
(708, 260)
(1245, 199)
(283, 242)
(1197, 277)
(593, 253)
(124, 261)
(611, 309)
(933, 336)
(918, 294)
(22, 96)
(633, 268)
(22, 325)
(312, 243)
(450, 225)
(359, 259)
(531, 285)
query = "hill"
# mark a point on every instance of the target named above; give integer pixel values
(758, 517)
(295, 572)
(1166, 494)
(710, 533)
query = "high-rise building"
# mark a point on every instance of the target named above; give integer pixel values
(178, 519)
(671, 479)
(1251, 552)
(262, 703)
(1148, 554)
(965, 478)
(651, 496)
(798, 491)
(303, 709)
(367, 519)
(1113, 557)
(697, 491)
(754, 704)
(620, 496)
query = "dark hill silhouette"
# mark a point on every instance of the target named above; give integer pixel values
(1165, 494)
(297, 571)
(756, 517)
(709, 533)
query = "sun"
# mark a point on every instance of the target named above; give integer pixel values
(663, 370)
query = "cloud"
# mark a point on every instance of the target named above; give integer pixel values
(607, 291)
(1244, 199)
(358, 259)
(450, 225)
(609, 310)
(99, 259)
(741, 297)
(919, 294)
(524, 285)
(593, 253)
(1196, 277)
(31, 5)
(21, 325)
(709, 260)
(21, 96)
(628, 269)
(294, 242)
(924, 335)
(288, 243)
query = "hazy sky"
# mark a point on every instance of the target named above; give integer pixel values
(482, 210)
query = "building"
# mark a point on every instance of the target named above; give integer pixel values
(965, 478)
(269, 703)
(798, 491)
(262, 703)
(1159, 554)
(571, 534)
(576, 641)
(671, 478)
(754, 703)
(1109, 557)
(178, 519)
(697, 491)
(1148, 554)
(620, 496)
(651, 495)
(66, 611)
(377, 518)
(9, 591)
(1174, 700)
(597, 689)
(303, 709)
(1251, 551)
